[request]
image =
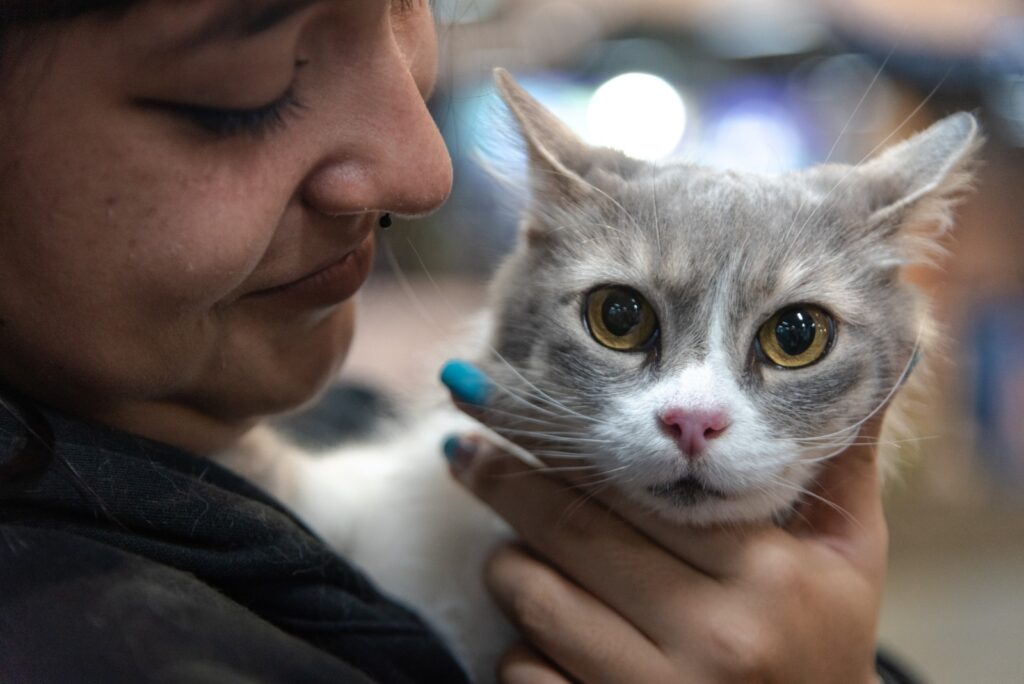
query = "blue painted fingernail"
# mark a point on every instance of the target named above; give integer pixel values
(458, 451)
(467, 384)
(451, 447)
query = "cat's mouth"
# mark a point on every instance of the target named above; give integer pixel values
(687, 491)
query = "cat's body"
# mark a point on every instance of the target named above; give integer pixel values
(390, 506)
(701, 340)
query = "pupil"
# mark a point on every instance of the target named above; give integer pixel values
(795, 332)
(621, 313)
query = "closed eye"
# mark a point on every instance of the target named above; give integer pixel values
(228, 122)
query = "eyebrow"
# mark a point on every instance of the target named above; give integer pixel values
(245, 19)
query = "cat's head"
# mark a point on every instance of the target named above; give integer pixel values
(703, 339)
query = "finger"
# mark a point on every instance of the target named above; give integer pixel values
(522, 664)
(603, 553)
(576, 631)
(846, 509)
(469, 386)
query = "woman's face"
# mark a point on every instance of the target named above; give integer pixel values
(187, 200)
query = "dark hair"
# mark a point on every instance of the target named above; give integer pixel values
(24, 11)
(28, 12)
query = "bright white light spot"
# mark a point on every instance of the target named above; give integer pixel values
(759, 140)
(640, 114)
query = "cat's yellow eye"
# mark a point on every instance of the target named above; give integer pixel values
(796, 336)
(620, 318)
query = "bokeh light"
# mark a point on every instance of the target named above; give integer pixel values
(640, 114)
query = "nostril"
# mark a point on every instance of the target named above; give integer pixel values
(711, 432)
(671, 427)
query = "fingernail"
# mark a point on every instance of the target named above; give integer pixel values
(459, 451)
(467, 384)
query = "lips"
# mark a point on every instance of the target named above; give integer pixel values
(687, 491)
(327, 284)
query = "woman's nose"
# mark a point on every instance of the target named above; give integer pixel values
(388, 154)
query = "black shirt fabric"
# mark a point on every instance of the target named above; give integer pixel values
(125, 560)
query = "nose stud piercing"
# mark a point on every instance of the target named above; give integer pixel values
(385, 221)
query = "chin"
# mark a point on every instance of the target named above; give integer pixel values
(260, 393)
(760, 505)
(286, 371)
(258, 399)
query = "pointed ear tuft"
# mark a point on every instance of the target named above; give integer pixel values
(929, 162)
(556, 156)
(916, 184)
(540, 128)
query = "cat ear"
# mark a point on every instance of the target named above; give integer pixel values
(914, 185)
(556, 156)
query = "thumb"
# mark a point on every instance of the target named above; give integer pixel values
(845, 504)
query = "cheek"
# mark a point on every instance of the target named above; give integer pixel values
(111, 272)
(124, 214)
(630, 435)
(197, 252)
(817, 402)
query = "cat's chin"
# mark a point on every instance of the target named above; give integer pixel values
(695, 504)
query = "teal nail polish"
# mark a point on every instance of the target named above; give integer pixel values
(458, 451)
(467, 384)
(451, 447)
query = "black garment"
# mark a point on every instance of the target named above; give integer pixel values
(891, 672)
(125, 560)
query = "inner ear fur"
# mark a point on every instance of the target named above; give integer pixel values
(915, 185)
(556, 156)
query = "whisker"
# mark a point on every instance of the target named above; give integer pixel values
(654, 199)
(863, 98)
(881, 144)
(547, 436)
(803, 491)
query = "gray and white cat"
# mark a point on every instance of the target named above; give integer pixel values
(702, 340)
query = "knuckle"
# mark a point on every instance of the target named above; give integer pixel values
(533, 606)
(742, 648)
(779, 570)
(510, 668)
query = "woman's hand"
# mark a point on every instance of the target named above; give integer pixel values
(627, 597)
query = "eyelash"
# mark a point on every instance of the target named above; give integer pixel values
(227, 123)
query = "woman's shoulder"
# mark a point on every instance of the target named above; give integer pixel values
(127, 556)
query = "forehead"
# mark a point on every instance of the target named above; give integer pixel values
(698, 235)
(700, 220)
(712, 206)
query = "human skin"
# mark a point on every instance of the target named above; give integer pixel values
(133, 239)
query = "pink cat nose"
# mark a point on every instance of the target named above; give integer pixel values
(694, 429)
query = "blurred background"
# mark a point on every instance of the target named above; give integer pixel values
(772, 85)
